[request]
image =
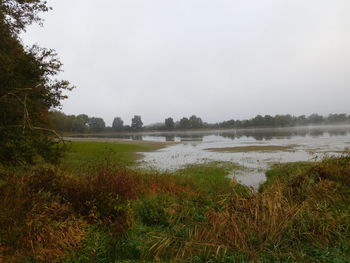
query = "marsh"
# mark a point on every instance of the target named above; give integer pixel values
(255, 150)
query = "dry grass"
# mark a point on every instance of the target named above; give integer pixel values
(36, 225)
(311, 209)
(46, 215)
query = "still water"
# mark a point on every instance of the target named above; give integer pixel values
(286, 145)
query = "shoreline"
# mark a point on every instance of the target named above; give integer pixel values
(202, 131)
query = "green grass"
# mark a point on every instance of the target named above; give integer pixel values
(210, 177)
(84, 154)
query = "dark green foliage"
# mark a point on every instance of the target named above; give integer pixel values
(27, 88)
(76, 123)
(136, 123)
(96, 124)
(315, 119)
(28, 148)
(283, 121)
(153, 210)
(97, 246)
(195, 122)
(117, 124)
(169, 124)
(184, 123)
(69, 123)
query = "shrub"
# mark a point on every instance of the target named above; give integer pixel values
(153, 210)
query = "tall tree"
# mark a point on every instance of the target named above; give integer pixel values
(315, 119)
(27, 88)
(169, 124)
(184, 123)
(96, 124)
(118, 124)
(136, 123)
(195, 122)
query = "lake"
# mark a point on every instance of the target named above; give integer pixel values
(254, 149)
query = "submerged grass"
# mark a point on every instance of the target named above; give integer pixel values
(117, 214)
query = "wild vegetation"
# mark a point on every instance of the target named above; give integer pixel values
(94, 205)
(115, 213)
(28, 89)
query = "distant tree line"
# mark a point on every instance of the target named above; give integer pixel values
(285, 121)
(76, 123)
(83, 123)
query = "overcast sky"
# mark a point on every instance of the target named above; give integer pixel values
(218, 59)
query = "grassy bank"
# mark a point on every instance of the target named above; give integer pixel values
(116, 214)
(82, 155)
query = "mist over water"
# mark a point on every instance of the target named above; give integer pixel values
(260, 134)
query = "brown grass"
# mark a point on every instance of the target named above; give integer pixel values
(44, 213)
(36, 223)
(287, 213)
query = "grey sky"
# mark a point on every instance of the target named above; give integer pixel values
(218, 59)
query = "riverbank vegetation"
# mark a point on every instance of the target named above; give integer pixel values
(85, 124)
(87, 202)
(115, 213)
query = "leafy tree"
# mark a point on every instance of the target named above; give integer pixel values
(283, 120)
(79, 123)
(136, 123)
(195, 122)
(84, 118)
(301, 120)
(27, 88)
(118, 124)
(337, 118)
(184, 123)
(258, 121)
(227, 124)
(169, 124)
(315, 119)
(69, 123)
(60, 121)
(269, 121)
(96, 124)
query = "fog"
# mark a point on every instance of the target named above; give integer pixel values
(218, 59)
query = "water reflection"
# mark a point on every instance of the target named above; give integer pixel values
(263, 134)
(170, 138)
(306, 144)
(136, 137)
(191, 137)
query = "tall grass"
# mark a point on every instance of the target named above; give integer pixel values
(116, 214)
(305, 218)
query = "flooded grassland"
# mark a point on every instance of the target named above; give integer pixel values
(254, 150)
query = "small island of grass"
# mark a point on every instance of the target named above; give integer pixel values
(253, 148)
